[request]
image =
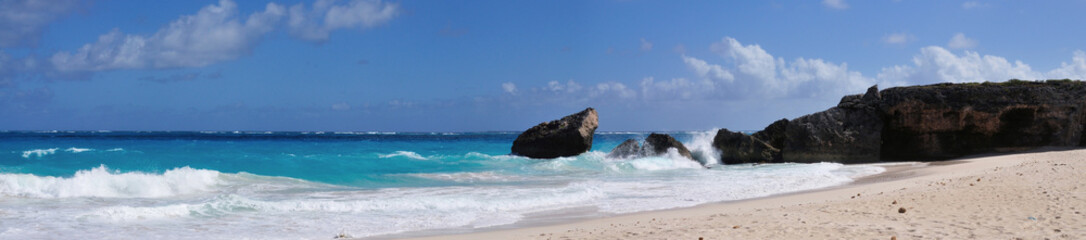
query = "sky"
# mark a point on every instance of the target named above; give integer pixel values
(364, 65)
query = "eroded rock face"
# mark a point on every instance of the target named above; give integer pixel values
(628, 149)
(657, 144)
(951, 120)
(848, 133)
(929, 122)
(569, 136)
(736, 148)
(773, 134)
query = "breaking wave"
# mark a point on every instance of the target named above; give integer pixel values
(101, 182)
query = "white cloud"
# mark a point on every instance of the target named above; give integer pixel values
(677, 88)
(218, 33)
(645, 45)
(759, 73)
(612, 90)
(751, 59)
(706, 70)
(215, 33)
(510, 88)
(959, 41)
(753, 73)
(1074, 70)
(897, 38)
(568, 87)
(835, 4)
(22, 21)
(325, 16)
(935, 64)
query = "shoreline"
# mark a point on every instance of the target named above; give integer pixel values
(893, 170)
(757, 217)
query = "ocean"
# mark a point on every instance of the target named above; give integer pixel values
(316, 185)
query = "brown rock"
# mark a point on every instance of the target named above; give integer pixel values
(901, 210)
(950, 120)
(569, 136)
(736, 148)
(628, 149)
(658, 144)
(848, 133)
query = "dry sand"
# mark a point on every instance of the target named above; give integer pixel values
(1021, 196)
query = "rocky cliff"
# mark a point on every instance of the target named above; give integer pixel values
(923, 123)
(950, 120)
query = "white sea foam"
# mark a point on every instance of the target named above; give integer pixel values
(115, 150)
(39, 152)
(373, 212)
(360, 213)
(225, 205)
(407, 154)
(469, 177)
(671, 160)
(701, 147)
(101, 182)
(77, 150)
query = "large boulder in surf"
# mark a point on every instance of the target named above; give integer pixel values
(658, 144)
(736, 148)
(628, 149)
(569, 136)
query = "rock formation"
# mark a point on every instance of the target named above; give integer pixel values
(848, 133)
(658, 144)
(929, 122)
(628, 149)
(736, 147)
(950, 120)
(569, 136)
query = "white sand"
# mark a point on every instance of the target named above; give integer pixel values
(1026, 196)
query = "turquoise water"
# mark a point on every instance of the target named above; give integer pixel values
(313, 185)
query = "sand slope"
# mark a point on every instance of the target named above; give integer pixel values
(1027, 196)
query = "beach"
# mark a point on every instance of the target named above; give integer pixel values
(1033, 195)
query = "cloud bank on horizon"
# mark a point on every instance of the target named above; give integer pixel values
(360, 65)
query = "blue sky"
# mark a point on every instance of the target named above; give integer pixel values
(360, 65)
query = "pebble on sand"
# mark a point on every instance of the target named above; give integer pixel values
(901, 210)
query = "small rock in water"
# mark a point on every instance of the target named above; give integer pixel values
(901, 210)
